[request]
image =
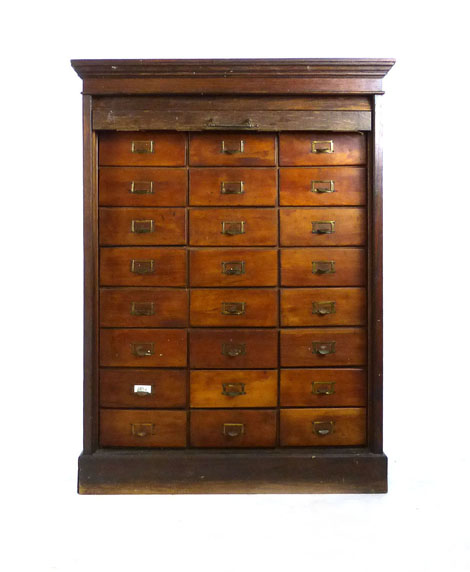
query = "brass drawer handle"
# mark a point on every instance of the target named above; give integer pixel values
(233, 429)
(142, 429)
(142, 390)
(323, 387)
(143, 266)
(142, 226)
(141, 188)
(323, 187)
(247, 124)
(231, 149)
(323, 308)
(323, 348)
(233, 227)
(143, 349)
(233, 350)
(322, 146)
(323, 267)
(323, 428)
(142, 147)
(142, 308)
(235, 268)
(233, 389)
(234, 188)
(323, 226)
(233, 308)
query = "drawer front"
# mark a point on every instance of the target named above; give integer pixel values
(238, 388)
(240, 349)
(143, 308)
(143, 348)
(232, 149)
(232, 227)
(233, 428)
(233, 267)
(323, 267)
(137, 428)
(144, 226)
(323, 347)
(142, 187)
(323, 387)
(232, 187)
(145, 266)
(328, 427)
(323, 307)
(142, 148)
(323, 226)
(223, 307)
(322, 148)
(322, 186)
(142, 388)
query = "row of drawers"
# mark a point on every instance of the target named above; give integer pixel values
(322, 226)
(230, 149)
(233, 428)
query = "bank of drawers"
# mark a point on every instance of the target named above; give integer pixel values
(232, 289)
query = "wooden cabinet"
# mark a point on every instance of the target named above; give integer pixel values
(233, 295)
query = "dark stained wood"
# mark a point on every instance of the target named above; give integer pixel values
(168, 149)
(295, 149)
(241, 149)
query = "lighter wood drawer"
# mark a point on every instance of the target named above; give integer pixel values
(323, 387)
(320, 347)
(344, 226)
(143, 308)
(323, 266)
(142, 187)
(137, 428)
(233, 428)
(323, 307)
(236, 388)
(232, 187)
(143, 348)
(232, 149)
(143, 388)
(232, 227)
(142, 226)
(142, 266)
(233, 267)
(328, 427)
(322, 186)
(142, 148)
(322, 148)
(238, 348)
(242, 307)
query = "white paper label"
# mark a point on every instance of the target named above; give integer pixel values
(143, 389)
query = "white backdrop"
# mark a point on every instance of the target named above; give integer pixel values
(422, 524)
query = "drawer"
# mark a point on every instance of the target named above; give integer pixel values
(243, 307)
(323, 266)
(233, 349)
(143, 308)
(344, 226)
(323, 387)
(144, 266)
(322, 148)
(233, 428)
(232, 187)
(142, 226)
(139, 428)
(232, 227)
(142, 148)
(142, 187)
(323, 307)
(233, 267)
(142, 388)
(143, 348)
(232, 149)
(237, 388)
(322, 186)
(320, 347)
(328, 427)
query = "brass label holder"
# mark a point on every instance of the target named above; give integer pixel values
(323, 308)
(323, 267)
(233, 429)
(142, 308)
(321, 187)
(142, 429)
(232, 188)
(143, 266)
(233, 350)
(142, 226)
(233, 227)
(142, 147)
(141, 188)
(323, 387)
(233, 389)
(323, 348)
(322, 146)
(142, 390)
(323, 226)
(144, 349)
(234, 268)
(233, 308)
(231, 149)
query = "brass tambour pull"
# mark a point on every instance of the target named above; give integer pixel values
(233, 429)
(142, 390)
(247, 124)
(322, 187)
(142, 429)
(142, 266)
(232, 188)
(323, 428)
(141, 188)
(144, 349)
(233, 389)
(142, 308)
(142, 226)
(233, 308)
(233, 227)
(231, 148)
(323, 267)
(234, 268)
(323, 387)
(323, 226)
(323, 308)
(322, 146)
(142, 147)
(233, 350)
(323, 348)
